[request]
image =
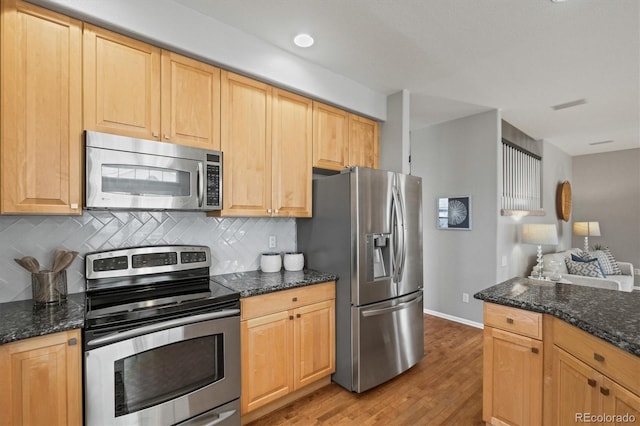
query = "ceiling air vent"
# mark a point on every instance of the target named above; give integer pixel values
(601, 142)
(569, 104)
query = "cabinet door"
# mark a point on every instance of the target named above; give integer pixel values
(363, 142)
(41, 110)
(330, 137)
(246, 146)
(314, 342)
(266, 359)
(190, 102)
(575, 389)
(121, 85)
(512, 383)
(292, 154)
(620, 403)
(41, 381)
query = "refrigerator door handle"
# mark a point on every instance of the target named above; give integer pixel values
(399, 306)
(398, 235)
(396, 258)
(403, 247)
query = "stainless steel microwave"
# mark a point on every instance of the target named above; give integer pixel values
(123, 173)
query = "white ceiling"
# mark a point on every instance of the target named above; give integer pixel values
(461, 57)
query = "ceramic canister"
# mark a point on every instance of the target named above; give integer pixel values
(293, 261)
(270, 262)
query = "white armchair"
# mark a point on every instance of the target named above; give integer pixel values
(623, 282)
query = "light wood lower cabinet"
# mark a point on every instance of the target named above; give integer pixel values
(566, 377)
(42, 380)
(513, 368)
(41, 111)
(288, 342)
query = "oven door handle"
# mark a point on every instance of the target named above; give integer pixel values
(115, 337)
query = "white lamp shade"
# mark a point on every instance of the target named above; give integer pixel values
(586, 229)
(539, 234)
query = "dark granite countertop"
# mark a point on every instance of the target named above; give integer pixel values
(253, 283)
(22, 320)
(611, 315)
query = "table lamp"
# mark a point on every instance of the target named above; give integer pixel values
(539, 234)
(586, 230)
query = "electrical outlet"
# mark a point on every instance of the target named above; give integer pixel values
(465, 297)
(637, 271)
(272, 241)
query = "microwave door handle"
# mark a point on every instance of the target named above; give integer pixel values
(200, 184)
(178, 322)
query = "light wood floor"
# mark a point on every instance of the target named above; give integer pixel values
(445, 388)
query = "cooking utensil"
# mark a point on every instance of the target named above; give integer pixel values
(63, 261)
(57, 255)
(29, 263)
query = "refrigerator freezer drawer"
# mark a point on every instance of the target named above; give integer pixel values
(388, 338)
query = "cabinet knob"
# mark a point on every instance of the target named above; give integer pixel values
(598, 357)
(290, 317)
(276, 211)
(155, 134)
(295, 299)
(73, 342)
(591, 382)
(509, 320)
(297, 315)
(166, 136)
(604, 391)
(268, 210)
(74, 206)
(535, 350)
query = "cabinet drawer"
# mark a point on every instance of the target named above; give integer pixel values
(613, 362)
(514, 320)
(278, 301)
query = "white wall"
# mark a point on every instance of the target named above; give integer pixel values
(173, 26)
(519, 258)
(395, 137)
(606, 188)
(459, 158)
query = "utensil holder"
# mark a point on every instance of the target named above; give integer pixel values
(49, 287)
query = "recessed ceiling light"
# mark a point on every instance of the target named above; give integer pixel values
(601, 142)
(303, 40)
(569, 104)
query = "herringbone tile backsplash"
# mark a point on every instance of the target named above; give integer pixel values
(236, 243)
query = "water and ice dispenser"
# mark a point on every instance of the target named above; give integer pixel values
(378, 256)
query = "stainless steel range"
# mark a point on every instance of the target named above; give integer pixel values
(162, 341)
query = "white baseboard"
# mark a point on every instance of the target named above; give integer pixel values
(453, 318)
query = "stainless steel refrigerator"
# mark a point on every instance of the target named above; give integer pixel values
(367, 228)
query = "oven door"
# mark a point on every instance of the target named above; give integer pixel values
(165, 376)
(128, 180)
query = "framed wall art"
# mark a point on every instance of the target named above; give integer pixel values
(454, 213)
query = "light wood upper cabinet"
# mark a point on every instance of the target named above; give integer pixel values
(266, 143)
(330, 137)
(42, 380)
(121, 85)
(190, 102)
(341, 139)
(291, 154)
(41, 111)
(363, 142)
(246, 146)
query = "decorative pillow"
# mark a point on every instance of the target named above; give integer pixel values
(587, 269)
(606, 259)
(576, 258)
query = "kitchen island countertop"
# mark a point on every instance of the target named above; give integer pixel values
(254, 283)
(611, 315)
(22, 320)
